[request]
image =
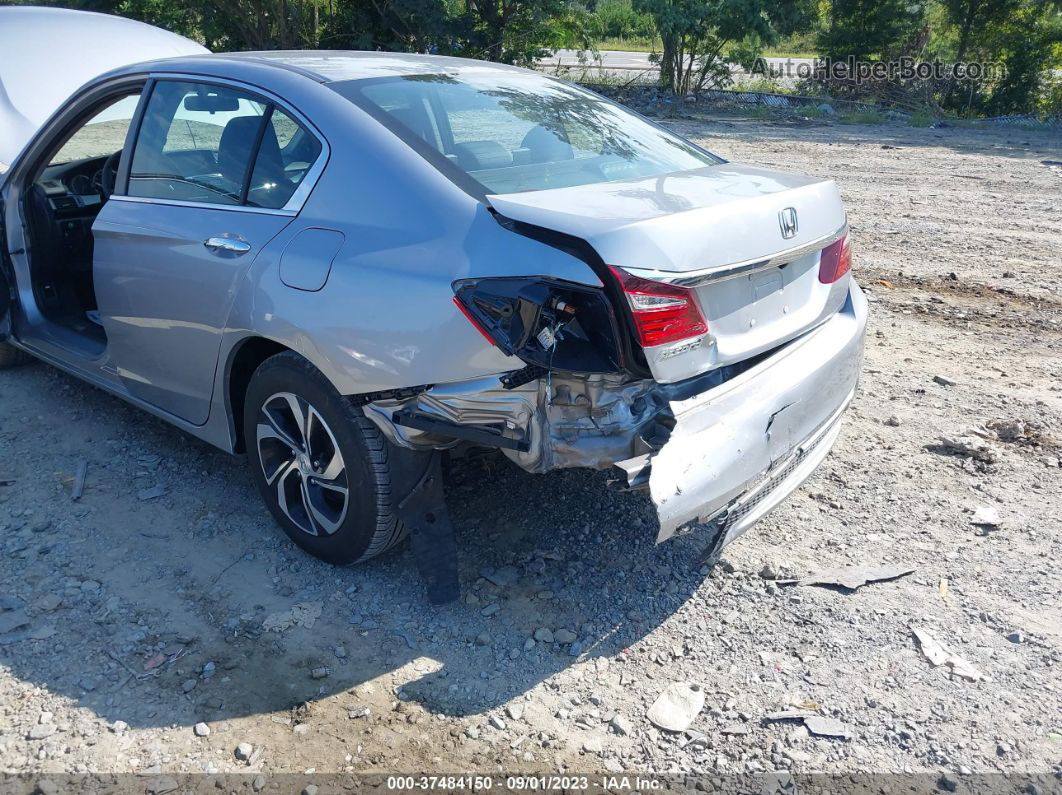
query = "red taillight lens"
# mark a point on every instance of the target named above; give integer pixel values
(662, 312)
(835, 260)
(474, 321)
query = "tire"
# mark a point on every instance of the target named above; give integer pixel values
(12, 357)
(375, 473)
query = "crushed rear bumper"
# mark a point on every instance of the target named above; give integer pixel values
(738, 450)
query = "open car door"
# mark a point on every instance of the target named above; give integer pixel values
(7, 283)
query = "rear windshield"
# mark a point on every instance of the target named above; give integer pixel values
(513, 132)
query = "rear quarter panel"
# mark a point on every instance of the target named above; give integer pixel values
(385, 317)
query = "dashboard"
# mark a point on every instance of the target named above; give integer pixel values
(74, 195)
(77, 185)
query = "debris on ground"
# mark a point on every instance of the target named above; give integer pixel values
(853, 577)
(826, 727)
(78, 488)
(790, 714)
(938, 654)
(12, 619)
(303, 614)
(967, 446)
(986, 516)
(151, 493)
(677, 706)
(503, 577)
(735, 729)
(1027, 433)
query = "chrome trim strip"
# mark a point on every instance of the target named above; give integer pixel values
(240, 208)
(704, 276)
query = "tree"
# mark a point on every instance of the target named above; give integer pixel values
(867, 29)
(521, 31)
(974, 18)
(696, 35)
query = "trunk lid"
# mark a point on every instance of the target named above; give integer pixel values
(719, 231)
(48, 53)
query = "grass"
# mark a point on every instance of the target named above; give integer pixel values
(862, 117)
(763, 85)
(814, 112)
(772, 52)
(920, 119)
(629, 45)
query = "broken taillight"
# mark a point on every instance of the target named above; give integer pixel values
(662, 312)
(546, 322)
(474, 321)
(835, 260)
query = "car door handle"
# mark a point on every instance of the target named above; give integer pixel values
(229, 244)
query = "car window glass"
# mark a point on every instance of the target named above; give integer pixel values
(284, 157)
(102, 135)
(196, 143)
(513, 132)
(406, 104)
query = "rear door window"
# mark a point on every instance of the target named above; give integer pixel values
(217, 145)
(286, 154)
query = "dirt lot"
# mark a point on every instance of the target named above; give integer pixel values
(166, 598)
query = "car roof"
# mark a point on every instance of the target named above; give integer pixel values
(330, 66)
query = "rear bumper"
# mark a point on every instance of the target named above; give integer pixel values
(739, 449)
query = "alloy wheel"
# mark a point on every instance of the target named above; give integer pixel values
(302, 462)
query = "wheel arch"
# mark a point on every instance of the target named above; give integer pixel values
(246, 356)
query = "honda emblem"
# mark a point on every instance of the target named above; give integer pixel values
(787, 219)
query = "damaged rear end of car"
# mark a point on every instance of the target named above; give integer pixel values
(709, 358)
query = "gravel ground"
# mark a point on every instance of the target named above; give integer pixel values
(161, 621)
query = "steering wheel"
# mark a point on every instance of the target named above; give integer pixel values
(109, 174)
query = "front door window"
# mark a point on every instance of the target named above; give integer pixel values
(196, 144)
(216, 145)
(102, 135)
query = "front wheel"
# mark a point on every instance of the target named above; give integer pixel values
(324, 470)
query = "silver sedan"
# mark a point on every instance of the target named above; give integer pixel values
(343, 263)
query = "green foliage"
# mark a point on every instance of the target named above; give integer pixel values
(1049, 103)
(649, 44)
(763, 85)
(1023, 36)
(513, 31)
(702, 39)
(865, 29)
(696, 41)
(921, 118)
(617, 20)
(862, 117)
